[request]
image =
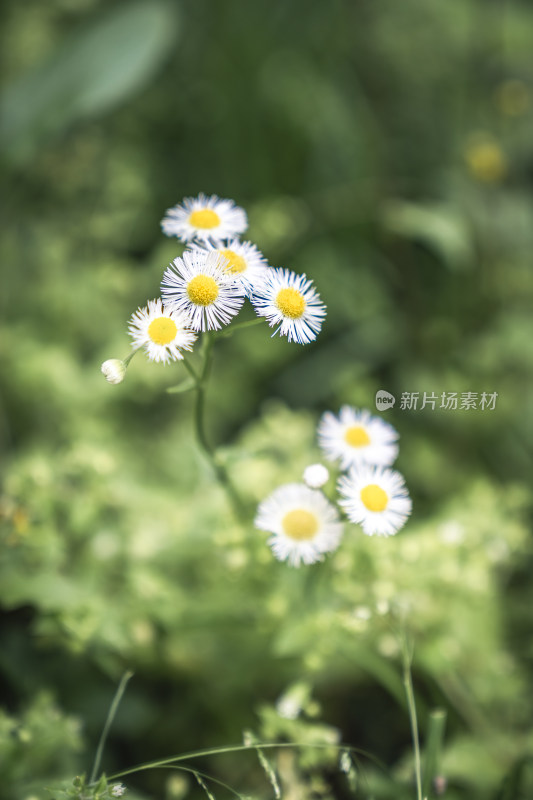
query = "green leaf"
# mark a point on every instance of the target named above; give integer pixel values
(437, 225)
(101, 786)
(513, 783)
(184, 386)
(92, 72)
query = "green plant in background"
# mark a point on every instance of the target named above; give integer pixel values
(405, 192)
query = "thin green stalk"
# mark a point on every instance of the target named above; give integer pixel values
(199, 425)
(128, 358)
(433, 749)
(239, 748)
(109, 721)
(408, 683)
(189, 367)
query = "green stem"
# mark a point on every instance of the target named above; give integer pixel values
(199, 426)
(189, 367)
(408, 683)
(213, 751)
(128, 358)
(434, 739)
(109, 721)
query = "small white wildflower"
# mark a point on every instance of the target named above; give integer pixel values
(113, 370)
(316, 475)
(163, 332)
(205, 219)
(199, 285)
(376, 498)
(356, 437)
(303, 523)
(290, 302)
(244, 262)
(118, 790)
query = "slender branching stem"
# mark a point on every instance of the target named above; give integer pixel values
(201, 379)
(213, 751)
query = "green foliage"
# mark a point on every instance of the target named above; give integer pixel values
(90, 74)
(35, 746)
(405, 194)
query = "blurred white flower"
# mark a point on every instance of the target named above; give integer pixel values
(356, 437)
(303, 523)
(376, 498)
(316, 475)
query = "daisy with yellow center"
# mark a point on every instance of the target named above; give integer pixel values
(163, 332)
(356, 437)
(292, 303)
(303, 524)
(245, 262)
(200, 285)
(205, 219)
(375, 498)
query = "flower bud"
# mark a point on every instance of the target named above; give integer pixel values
(114, 370)
(316, 475)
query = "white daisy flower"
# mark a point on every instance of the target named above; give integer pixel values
(244, 261)
(205, 219)
(199, 285)
(303, 523)
(292, 303)
(162, 331)
(356, 437)
(316, 475)
(375, 498)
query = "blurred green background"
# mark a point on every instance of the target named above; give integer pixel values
(385, 148)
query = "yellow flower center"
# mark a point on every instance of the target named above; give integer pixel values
(374, 497)
(236, 262)
(202, 290)
(162, 330)
(290, 302)
(300, 524)
(205, 218)
(356, 436)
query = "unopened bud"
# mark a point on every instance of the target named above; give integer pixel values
(316, 475)
(114, 370)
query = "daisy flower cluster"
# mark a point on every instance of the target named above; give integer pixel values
(304, 524)
(205, 288)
